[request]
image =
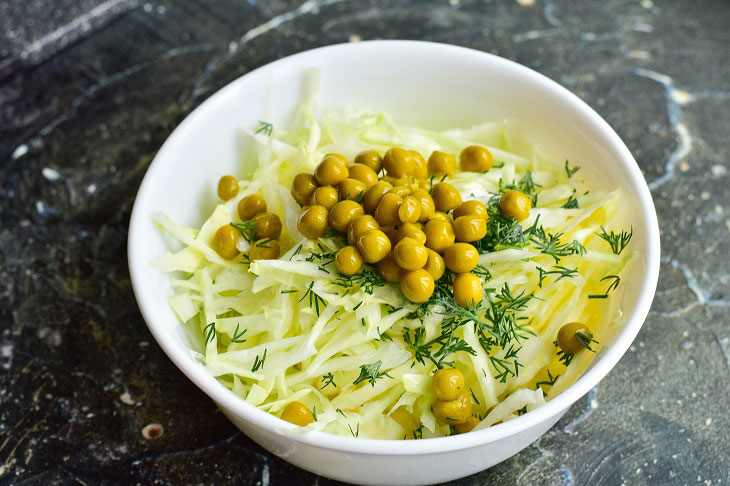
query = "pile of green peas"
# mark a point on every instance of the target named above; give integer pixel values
(411, 235)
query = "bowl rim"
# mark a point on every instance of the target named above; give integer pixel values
(250, 413)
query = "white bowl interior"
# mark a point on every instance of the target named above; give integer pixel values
(422, 84)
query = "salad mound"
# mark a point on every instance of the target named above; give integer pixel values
(352, 285)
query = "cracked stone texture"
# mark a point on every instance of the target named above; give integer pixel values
(90, 89)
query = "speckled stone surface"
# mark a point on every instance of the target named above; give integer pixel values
(90, 89)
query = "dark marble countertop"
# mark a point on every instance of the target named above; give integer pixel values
(89, 89)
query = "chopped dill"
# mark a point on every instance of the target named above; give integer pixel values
(328, 379)
(572, 202)
(481, 271)
(474, 397)
(209, 333)
(526, 184)
(356, 432)
(263, 243)
(371, 373)
(550, 381)
(264, 127)
(296, 252)
(570, 171)
(585, 339)
(615, 280)
(549, 243)
(366, 280)
(617, 241)
(237, 336)
(247, 229)
(559, 270)
(258, 363)
(314, 298)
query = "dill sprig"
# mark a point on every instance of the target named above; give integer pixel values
(563, 357)
(481, 271)
(264, 127)
(314, 299)
(559, 270)
(526, 184)
(237, 336)
(418, 432)
(328, 379)
(585, 339)
(355, 432)
(615, 280)
(474, 397)
(264, 243)
(366, 280)
(502, 232)
(296, 252)
(572, 202)
(549, 243)
(550, 381)
(247, 229)
(504, 367)
(502, 317)
(618, 241)
(570, 170)
(371, 373)
(324, 258)
(449, 344)
(209, 333)
(258, 363)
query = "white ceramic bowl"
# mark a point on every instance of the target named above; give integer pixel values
(419, 83)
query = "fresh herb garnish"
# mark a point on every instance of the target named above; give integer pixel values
(371, 373)
(618, 241)
(561, 271)
(527, 185)
(474, 397)
(264, 127)
(314, 299)
(356, 432)
(324, 258)
(570, 170)
(247, 229)
(550, 381)
(237, 336)
(418, 432)
(264, 243)
(449, 344)
(328, 379)
(615, 280)
(366, 280)
(572, 202)
(258, 363)
(504, 367)
(481, 271)
(585, 339)
(549, 243)
(209, 333)
(296, 252)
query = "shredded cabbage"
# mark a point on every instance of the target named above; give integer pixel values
(274, 331)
